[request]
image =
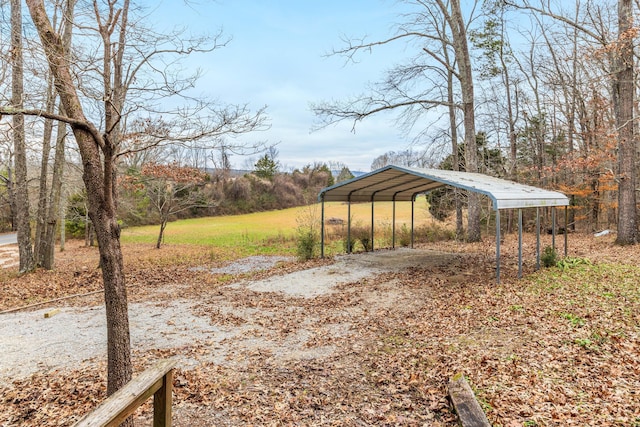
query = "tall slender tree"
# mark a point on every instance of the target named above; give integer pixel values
(465, 76)
(21, 191)
(624, 104)
(421, 86)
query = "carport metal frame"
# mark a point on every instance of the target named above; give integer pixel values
(395, 183)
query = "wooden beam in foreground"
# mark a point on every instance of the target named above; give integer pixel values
(155, 381)
(470, 414)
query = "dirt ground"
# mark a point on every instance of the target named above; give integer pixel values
(34, 343)
(364, 339)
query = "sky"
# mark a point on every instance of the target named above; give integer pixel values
(278, 58)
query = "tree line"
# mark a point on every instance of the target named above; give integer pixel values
(157, 193)
(552, 85)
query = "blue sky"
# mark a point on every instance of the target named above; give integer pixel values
(277, 57)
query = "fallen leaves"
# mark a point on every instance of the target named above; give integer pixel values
(560, 347)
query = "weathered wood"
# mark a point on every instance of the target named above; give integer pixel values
(117, 407)
(24, 307)
(470, 414)
(162, 402)
(51, 313)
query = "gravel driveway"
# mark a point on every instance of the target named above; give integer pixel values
(231, 322)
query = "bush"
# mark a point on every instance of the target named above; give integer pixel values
(307, 243)
(362, 233)
(308, 238)
(432, 232)
(404, 235)
(348, 244)
(549, 257)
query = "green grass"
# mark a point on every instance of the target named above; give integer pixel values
(266, 232)
(263, 232)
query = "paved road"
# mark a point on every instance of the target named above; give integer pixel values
(8, 239)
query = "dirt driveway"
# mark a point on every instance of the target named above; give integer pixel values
(8, 256)
(280, 315)
(308, 316)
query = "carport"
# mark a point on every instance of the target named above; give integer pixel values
(396, 184)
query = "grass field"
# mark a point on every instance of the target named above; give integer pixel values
(275, 231)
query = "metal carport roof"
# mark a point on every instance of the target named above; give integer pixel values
(396, 183)
(404, 183)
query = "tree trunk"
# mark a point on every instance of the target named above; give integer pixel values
(115, 296)
(21, 193)
(513, 136)
(163, 225)
(624, 94)
(63, 216)
(459, 33)
(454, 152)
(43, 198)
(11, 190)
(98, 159)
(87, 228)
(53, 213)
(54, 200)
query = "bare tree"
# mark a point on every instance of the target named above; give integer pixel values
(624, 103)
(43, 199)
(425, 84)
(21, 193)
(123, 64)
(618, 63)
(172, 189)
(49, 200)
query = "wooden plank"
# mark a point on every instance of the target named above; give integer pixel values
(470, 414)
(117, 407)
(51, 313)
(162, 402)
(24, 307)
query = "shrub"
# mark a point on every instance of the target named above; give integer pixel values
(549, 257)
(433, 232)
(307, 243)
(308, 237)
(404, 235)
(362, 233)
(348, 244)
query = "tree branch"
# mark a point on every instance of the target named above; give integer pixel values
(89, 127)
(560, 18)
(336, 114)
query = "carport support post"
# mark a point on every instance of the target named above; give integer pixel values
(349, 225)
(566, 231)
(393, 224)
(537, 238)
(553, 228)
(322, 229)
(519, 243)
(413, 199)
(498, 246)
(372, 223)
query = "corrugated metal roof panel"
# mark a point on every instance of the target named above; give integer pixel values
(403, 183)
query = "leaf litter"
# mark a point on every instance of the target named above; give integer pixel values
(560, 347)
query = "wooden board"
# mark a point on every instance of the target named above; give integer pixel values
(51, 313)
(125, 401)
(470, 414)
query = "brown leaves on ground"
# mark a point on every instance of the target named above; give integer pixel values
(148, 271)
(560, 347)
